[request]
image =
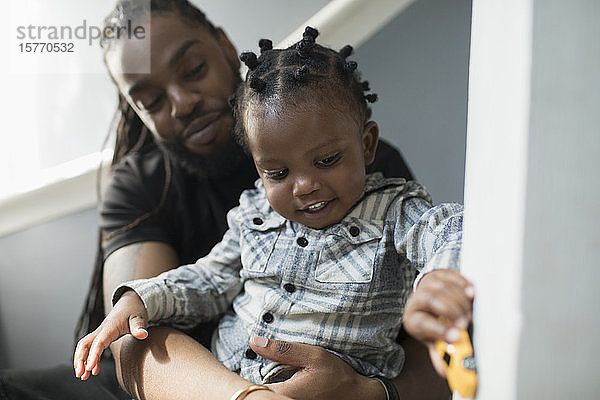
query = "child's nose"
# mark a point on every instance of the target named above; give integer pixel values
(305, 184)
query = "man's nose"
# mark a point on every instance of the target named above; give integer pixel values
(305, 184)
(183, 101)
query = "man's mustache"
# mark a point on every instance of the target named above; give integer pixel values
(222, 109)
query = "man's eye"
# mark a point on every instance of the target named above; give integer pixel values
(195, 71)
(276, 175)
(328, 161)
(151, 105)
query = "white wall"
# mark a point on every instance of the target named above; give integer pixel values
(559, 345)
(418, 65)
(45, 275)
(532, 196)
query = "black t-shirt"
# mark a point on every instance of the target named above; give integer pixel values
(192, 218)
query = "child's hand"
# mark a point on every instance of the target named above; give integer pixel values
(128, 316)
(441, 305)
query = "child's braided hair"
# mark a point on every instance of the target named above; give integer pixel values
(295, 75)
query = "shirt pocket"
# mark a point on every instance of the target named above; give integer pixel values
(348, 255)
(259, 235)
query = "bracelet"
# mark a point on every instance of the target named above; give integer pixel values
(242, 393)
(391, 392)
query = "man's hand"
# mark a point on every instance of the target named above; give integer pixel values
(128, 316)
(321, 374)
(441, 305)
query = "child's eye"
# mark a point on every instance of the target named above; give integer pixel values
(276, 175)
(328, 161)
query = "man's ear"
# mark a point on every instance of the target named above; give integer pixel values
(370, 138)
(228, 48)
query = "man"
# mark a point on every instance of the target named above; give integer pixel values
(178, 172)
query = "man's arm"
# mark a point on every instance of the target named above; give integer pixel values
(418, 379)
(136, 261)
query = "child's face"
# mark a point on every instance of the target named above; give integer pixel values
(312, 163)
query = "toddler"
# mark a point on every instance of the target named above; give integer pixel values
(319, 252)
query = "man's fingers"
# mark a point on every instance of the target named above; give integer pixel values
(293, 354)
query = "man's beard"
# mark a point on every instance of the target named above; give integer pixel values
(218, 165)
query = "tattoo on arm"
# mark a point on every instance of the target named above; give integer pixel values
(120, 267)
(135, 261)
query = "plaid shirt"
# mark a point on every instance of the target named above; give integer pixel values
(343, 287)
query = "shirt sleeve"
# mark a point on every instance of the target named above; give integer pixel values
(129, 211)
(431, 237)
(195, 293)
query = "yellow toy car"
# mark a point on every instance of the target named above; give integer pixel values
(460, 365)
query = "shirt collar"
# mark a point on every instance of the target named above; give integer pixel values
(256, 208)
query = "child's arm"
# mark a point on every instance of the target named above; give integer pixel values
(441, 304)
(127, 316)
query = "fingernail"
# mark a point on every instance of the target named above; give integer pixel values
(452, 335)
(462, 323)
(470, 291)
(260, 341)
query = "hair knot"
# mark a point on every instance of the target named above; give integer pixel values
(350, 66)
(304, 48)
(257, 84)
(345, 51)
(301, 73)
(371, 98)
(310, 34)
(265, 44)
(250, 59)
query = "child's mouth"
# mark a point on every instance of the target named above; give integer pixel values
(317, 210)
(317, 206)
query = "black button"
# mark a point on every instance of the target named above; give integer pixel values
(290, 288)
(302, 242)
(354, 231)
(251, 354)
(268, 317)
(257, 221)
